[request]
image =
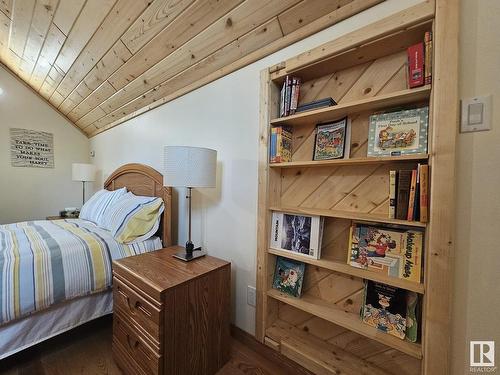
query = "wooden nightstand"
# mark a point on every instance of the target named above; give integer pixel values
(171, 317)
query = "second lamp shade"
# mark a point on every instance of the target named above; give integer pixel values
(189, 166)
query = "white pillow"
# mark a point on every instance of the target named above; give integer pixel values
(133, 218)
(93, 210)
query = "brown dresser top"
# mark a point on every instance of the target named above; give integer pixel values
(158, 271)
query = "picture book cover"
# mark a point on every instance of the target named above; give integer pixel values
(398, 133)
(331, 140)
(392, 251)
(385, 308)
(299, 234)
(288, 276)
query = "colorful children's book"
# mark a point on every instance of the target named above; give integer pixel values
(394, 252)
(300, 234)
(385, 308)
(288, 276)
(412, 316)
(331, 140)
(281, 144)
(398, 133)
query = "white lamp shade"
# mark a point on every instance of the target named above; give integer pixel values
(189, 166)
(83, 172)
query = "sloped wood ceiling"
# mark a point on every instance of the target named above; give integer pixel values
(101, 62)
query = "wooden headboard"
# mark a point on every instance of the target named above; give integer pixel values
(143, 180)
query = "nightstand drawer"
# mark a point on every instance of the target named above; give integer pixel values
(137, 308)
(130, 344)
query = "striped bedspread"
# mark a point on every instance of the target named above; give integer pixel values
(46, 262)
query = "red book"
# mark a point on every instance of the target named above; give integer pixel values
(416, 65)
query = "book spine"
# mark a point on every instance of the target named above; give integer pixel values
(428, 58)
(282, 100)
(416, 65)
(287, 95)
(424, 188)
(295, 95)
(403, 193)
(392, 194)
(411, 198)
(416, 200)
(273, 145)
(278, 145)
(292, 94)
(286, 145)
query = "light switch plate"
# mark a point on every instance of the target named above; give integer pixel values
(251, 296)
(476, 114)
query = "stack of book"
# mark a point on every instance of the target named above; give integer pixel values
(420, 62)
(289, 96)
(408, 194)
(281, 144)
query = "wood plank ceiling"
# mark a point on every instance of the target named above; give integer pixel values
(102, 62)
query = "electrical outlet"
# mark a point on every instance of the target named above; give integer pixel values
(251, 296)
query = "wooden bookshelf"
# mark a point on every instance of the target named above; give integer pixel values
(343, 267)
(324, 310)
(352, 215)
(354, 161)
(394, 99)
(365, 71)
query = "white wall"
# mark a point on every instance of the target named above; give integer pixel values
(34, 193)
(222, 115)
(476, 307)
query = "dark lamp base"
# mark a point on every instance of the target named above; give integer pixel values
(190, 254)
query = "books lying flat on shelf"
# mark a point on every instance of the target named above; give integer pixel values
(391, 251)
(321, 103)
(408, 194)
(289, 276)
(281, 144)
(289, 97)
(384, 308)
(300, 234)
(398, 133)
(332, 140)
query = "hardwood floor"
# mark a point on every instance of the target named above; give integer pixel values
(86, 350)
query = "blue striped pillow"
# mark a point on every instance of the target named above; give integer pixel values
(93, 210)
(133, 218)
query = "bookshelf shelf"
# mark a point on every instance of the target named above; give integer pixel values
(359, 216)
(325, 310)
(371, 104)
(316, 355)
(354, 161)
(344, 268)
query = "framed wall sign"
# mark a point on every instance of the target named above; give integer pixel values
(31, 148)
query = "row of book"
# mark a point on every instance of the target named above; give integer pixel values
(280, 148)
(392, 310)
(420, 62)
(386, 249)
(289, 96)
(402, 132)
(408, 194)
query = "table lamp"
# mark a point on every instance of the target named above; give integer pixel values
(190, 167)
(84, 173)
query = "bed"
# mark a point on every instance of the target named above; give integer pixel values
(67, 281)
